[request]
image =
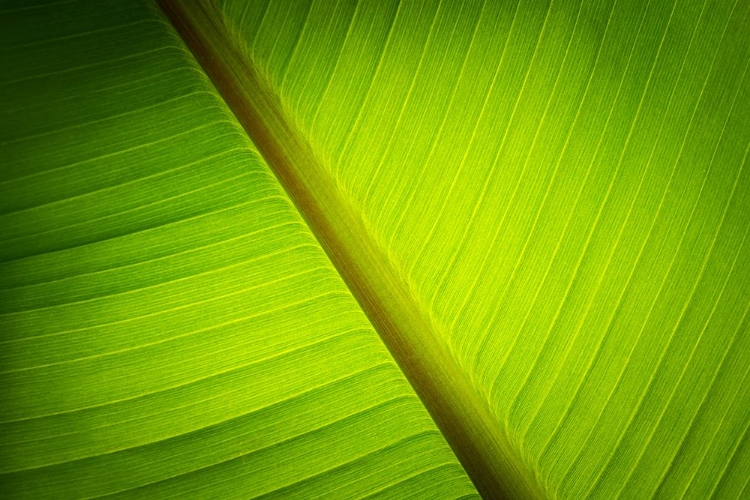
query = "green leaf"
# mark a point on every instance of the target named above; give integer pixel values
(541, 208)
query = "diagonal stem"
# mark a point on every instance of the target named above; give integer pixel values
(462, 415)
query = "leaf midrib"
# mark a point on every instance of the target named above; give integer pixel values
(461, 413)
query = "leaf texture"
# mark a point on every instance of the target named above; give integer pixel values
(564, 185)
(170, 326)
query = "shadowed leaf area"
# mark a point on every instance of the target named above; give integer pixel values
(348, 249)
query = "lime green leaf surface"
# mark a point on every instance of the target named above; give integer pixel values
(168, 324)
(561, 187)
(565, 187)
